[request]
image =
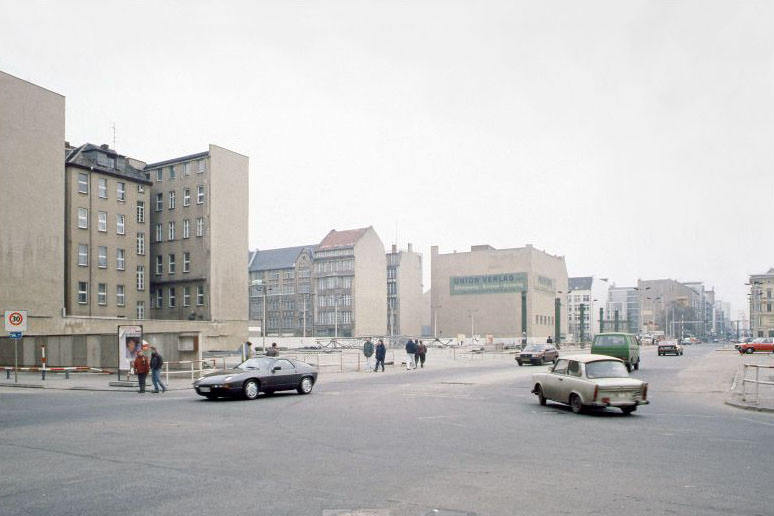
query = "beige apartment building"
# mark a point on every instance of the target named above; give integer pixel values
(198, 231)
(32, 199)
(350, 270)
(499, 292)
(405, 307)
(106, 229)
(762, 304)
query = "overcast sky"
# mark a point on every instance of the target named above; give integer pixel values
(633, 138)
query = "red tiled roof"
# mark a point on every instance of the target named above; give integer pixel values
(346, 238)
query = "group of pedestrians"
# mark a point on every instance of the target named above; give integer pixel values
(379, 350)
(416, 354)
(142, 366)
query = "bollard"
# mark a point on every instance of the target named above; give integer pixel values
(67, 374)
(43, 374)
(7, 374)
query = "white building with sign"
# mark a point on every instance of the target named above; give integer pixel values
(499, 292)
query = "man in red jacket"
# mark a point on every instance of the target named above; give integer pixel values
(141, 368)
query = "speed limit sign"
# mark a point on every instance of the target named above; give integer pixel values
(15, 320)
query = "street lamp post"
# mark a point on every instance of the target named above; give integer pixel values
(435, 322)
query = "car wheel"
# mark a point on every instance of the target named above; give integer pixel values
(659, 354)
(305, 387)
(628, 410)
(576, 404)
(628, 367)
(250, 389)
(637, 365)
(541, 397)
(519, 362)
(749, 351)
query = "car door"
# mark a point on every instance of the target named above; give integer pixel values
(283, 374)
(555, 380)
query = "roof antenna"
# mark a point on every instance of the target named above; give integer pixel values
(114, 137)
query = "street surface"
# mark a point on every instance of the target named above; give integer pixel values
(459, 440)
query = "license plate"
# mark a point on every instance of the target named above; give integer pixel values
(204, 389)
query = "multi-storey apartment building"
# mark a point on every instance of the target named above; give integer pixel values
(198, 222)
(281, 290)
(762, 304)
(106, 231)
(350, 270)
(585, 295)
(404, 292)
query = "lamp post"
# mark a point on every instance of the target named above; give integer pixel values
(435, 322)
(558, 317)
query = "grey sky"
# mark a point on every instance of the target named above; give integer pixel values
(634, 138)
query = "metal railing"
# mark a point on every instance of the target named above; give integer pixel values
(757, 382)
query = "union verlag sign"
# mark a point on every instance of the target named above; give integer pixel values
(488, 283)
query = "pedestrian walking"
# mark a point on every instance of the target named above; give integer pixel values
(422, 352)
(156, 362)
(381, 353)
(416, 353)
(411, 350)
(141, 368)
(272, 351)
(368, 351)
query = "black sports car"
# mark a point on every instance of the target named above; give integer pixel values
(254, 375)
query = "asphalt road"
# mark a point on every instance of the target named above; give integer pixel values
(466, 440)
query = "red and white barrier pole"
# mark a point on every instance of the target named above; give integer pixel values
(43, 360)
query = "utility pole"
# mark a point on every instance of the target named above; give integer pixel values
(582, 322)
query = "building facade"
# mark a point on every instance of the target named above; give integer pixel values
(404, 292)
(106, 229)
(499, 292)
(762, 304)
(585, 296)
(669, 306)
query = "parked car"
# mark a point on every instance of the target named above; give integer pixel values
(619, 345)
(760, 344)
(537, 354)
(261, 374)
(590, 381)
(669, 347)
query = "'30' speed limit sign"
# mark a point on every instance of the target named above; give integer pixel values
(15, 320)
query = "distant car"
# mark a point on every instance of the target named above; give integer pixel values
(590, 381)
(255, 375)
(760, 344)
(669, 347)
(537, 354)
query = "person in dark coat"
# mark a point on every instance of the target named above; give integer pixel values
(381, 353)
(411, 350)
(368, 352)
(156, 362)
(141, 368)
(272, 351)
(422, 353)
(549, 340)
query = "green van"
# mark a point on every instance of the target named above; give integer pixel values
(619, 345)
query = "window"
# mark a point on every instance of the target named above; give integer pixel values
(140, 211)
(172, 172)
(172, 297)
(186, 296)
(574, 368)
(102, 257)
(159, 232)
(171, 231)
(120, 262)
(202, 166)
(140, 189)
(171, 263)
(102, 293)
(561, 366)
(186, 262)
(83, 255)
(83, 292)
(141, 244)
(186, 196)
(200, 194)
(200, 226)
(172, 200)
(121, 191)
(102, 188)
(83, 218)
(186, 228)
(120, 299)
(102, 221)
(120, 224)
(159, 201)
(140, 277)
(83, 183)
(160, 174)
(187, 169)
(200, 295)
(159, 264)
(141, 309)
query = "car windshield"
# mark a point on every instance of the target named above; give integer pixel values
(610, 340)
(255, 363)
(534, 348)
(606, 369)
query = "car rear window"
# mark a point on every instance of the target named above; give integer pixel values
(534, 348)
(610, 340)
(606, 369)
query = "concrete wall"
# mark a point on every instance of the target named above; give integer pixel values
(369, 289)
(32, 201)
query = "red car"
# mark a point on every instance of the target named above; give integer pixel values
(760, 344)
(537, 354)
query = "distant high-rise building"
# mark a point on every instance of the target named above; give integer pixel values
(404, 292)
(590, 293)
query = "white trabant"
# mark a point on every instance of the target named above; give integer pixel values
(590, 381)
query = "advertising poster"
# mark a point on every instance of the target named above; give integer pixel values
(129, 344)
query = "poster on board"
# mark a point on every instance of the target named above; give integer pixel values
(129, 344)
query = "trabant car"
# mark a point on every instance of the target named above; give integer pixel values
(590, 381)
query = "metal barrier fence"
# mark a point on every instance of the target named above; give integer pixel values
(339, 360)
(755, 381)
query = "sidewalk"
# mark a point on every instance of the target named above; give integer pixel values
(744, 394)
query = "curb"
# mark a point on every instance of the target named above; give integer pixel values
(80, 388)
(744, 406)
